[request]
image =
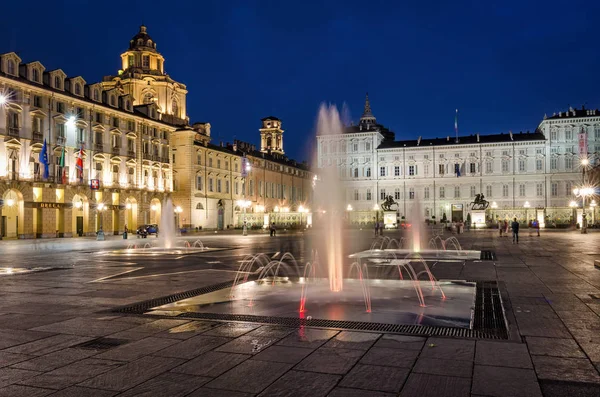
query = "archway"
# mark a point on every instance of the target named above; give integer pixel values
(80, 215)
(12, 223)
(155, 211)
(131, 214)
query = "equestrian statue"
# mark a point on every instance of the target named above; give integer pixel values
(479, 203)
(388, 203)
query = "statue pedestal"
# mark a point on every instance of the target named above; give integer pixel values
(478, 218)
(390, 219)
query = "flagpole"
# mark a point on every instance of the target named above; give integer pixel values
(456, 125)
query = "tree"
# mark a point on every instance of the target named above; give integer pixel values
(444, 219)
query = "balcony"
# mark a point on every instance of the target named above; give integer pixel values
(38, 137)
(80, 143)
(131, 153)
(98, 147)
(13, 131)
(116, 150)
(61, 140)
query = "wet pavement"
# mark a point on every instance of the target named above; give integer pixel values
(59, 336)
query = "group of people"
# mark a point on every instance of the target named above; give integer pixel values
(514, 225)
(378, 228)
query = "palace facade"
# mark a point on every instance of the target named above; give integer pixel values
(221, 186)
(120, 128)
(525, 175)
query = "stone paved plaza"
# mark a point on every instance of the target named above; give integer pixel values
(550, 289)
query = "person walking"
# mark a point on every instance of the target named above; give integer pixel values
(537, 227)
(376, 228)
(505, 228)
(500, 226)
(515, 230)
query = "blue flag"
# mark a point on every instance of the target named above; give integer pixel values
(44, 159)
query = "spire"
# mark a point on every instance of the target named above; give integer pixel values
(367, 112)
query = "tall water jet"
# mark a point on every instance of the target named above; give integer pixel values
(416, 219)
(329, 199)
(167, 224)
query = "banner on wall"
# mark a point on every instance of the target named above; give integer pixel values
(583, 148)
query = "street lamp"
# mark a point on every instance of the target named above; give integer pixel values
(583, 192)
(349, 208)
(593, 204)
(244, 204)
(178, 210)
(3, 99)
(100, 210)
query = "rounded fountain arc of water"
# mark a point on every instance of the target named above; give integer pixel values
(166, 234)
(363, 277)
(245, 269)
(403, 263)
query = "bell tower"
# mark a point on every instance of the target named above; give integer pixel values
(271, 135)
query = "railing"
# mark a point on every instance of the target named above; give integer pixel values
(98, 146)
(13, 131)
(38, 137)
(80, 143)
(116, 150)
(131, 153)
(61, 140)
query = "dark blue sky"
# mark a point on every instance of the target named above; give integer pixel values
(503, 66)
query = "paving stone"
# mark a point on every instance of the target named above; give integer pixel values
(7, 359)
(566, 369)
(438, 366)
(374, 377)
(536, 326)
(54, 360)
(148, 329)
(167, 384)
(554, 347)
(208, 392)
(308, 337)
(193, 347)
(231, 330)
(269, 331)
(302, 384)
(401, 342)
(572, 389)
(23, 391)
(250, 376)
(10, 338)
(25, 321)
(503, 381)
(132, 374)
(134, 350)
(77, 391)
(72, 374)
(390, 357)
(8, 375)
(86, 327)
(247, 344)
(449, 349)
(353, 340)
(346, 392)
(592, 350)
(48, 345)
(283, 354)
(502, 354)
(211, 364)
(425, 385)
(188, 330)
(330, 360)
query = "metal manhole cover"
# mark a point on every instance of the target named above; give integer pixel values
(101, 344)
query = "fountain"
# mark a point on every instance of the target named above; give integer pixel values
(167, 225)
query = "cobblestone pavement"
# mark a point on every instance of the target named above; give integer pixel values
(50, 323)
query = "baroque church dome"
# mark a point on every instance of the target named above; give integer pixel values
(142, 41)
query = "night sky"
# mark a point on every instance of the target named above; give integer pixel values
(503, 66)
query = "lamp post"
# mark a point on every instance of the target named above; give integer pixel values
(593, 205)
(526, 206)
(243, 204)
(583, 192)
(178, 210)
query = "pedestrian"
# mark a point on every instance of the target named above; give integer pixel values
(505, 228)
(537, 227)
(376, 228)
(515, 230)
(381, 228)
(273, 229)
(500, 227)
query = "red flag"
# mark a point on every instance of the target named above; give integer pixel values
(79, 163)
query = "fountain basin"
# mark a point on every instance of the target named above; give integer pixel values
(424, 254)
(392, 302)
(155, 251)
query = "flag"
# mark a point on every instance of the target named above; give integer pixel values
(79, 165)
(62, 158)
(457, 170)
(456, 122)
(44, 159)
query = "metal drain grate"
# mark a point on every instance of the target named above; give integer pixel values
(487, 255)
(101, 344)
(488, 316)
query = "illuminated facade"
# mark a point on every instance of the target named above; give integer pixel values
(220, 186)
(119, 127)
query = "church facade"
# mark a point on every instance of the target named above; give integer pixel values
(523, 175)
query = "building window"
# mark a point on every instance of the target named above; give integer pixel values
(368, 194)
(57, 83)
(521, 165)
(60, 107)
(441, 169)
(568, 190)
(113, 101)
(489, 167)
(96, 95)
(199, 158)
(554, 189)
(522, 190)
(381, 171)
(397, 194)
(456, 191)
(218, 186)
(568, 135)
(355, 147)
(442, 192)
(80, 135)
(505, 166)
(130, 61)
(538, 164)
(539, 189)
(553, 163)
(356, 172)
(356, 195)
(210, 162)
(77, 89)
(368, 172)
(488, 190)
(175, 108)
(35, 75)
(504, 190)
(553, 135)
(10, 67)
(227, 187)
(146, 61)
(411, 170)
(382, 194)
(426, 169)
(568, 163)
(210, 184)
(472, 191)
(37, 101)
(368, 146)
(472, 168)
(411, 193)
(396, 171)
